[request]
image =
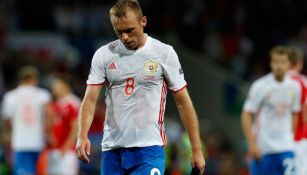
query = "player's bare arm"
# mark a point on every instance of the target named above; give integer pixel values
(246, 121)
(6, 136)
(190, 122)
(85, 118)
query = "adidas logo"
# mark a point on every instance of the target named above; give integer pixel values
(112, 66)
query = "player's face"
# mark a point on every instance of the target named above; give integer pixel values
(130, 29)
(58, 88)
(279, 65)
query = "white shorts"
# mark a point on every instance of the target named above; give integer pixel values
(301, 157)
(66, 164)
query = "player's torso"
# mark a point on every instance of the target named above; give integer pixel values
(134, 87)
(277, 99)
(275, 116)
(64, 111)
(135, 97)
(28, 106)
(134, 71)
(28, 117)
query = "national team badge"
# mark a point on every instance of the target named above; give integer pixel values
(151, 66)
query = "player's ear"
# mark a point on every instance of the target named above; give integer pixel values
(144, 21)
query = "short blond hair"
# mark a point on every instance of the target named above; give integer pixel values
(27, 73)
(120, 8)
(280, 50)
(295, 55)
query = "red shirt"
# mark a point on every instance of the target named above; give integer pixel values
(65, 111)
(301, 129)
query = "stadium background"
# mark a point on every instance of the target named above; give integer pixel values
(222, 44)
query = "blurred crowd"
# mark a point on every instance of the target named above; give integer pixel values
(235, 34)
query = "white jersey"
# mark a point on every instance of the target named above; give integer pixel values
(24, 107)
(273, 103)
(137, 84)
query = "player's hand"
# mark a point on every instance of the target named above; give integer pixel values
(255, 151)
(83, 149)
(197, 160)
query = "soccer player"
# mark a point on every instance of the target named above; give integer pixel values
(63, 129)
(274, 101)
(297, 62)
(136, 70)
(23, 111)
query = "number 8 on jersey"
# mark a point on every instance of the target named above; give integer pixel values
(129, 86)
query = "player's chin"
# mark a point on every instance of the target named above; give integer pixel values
(131, 46)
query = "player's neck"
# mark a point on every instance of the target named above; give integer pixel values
(28, 83)
(143, 41)
(279, 78)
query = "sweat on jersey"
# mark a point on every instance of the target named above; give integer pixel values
(137, 82)
(24, 106)
(273, 103)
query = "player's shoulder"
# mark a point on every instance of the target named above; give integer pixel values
(263, 80)
(160, 46)
(110, 47)
(75, 100)
(304, 79)
(293, 83)
(42, 90)
(10, 93)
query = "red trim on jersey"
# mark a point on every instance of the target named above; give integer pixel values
(161, 113)
(179, 89)
(299, 131)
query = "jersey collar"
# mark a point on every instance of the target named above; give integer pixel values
(147, 43)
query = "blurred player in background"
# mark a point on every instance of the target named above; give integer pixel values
(136, 70)
(274, 101)
(297, 62)
(23, 111)
(62, 117)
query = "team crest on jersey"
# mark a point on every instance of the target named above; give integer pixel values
(151, 66)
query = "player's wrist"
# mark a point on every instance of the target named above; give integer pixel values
(196, 150)
(82, 136)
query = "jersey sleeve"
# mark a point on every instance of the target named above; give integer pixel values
(97, 72)
(296, 107)
(7, 107)
(253, 100)
(173, 72)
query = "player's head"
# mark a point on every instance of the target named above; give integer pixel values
(60, 87)
(279, 61)
(128, 23)
(296, 59)
(28, 75)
